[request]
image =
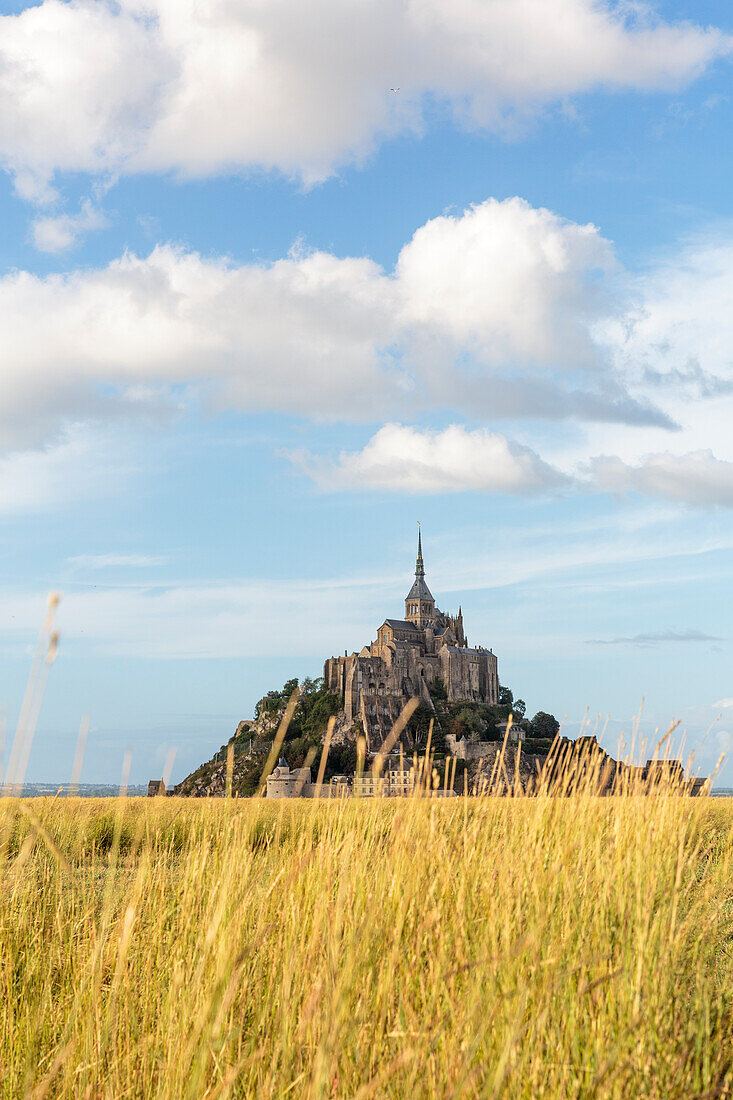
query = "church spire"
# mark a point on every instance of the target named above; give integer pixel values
(419, 603)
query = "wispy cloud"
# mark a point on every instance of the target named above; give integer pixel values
(109, 561)
(697, 478)
(133, 614)
(57, 233)
(83, 464)
(658, 638)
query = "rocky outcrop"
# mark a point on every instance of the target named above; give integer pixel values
(251, 742)
(210, 779)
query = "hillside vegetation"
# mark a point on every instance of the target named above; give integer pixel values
(486, 947)
(251, 741)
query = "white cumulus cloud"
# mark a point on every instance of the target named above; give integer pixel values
(205, 86)
(513, 282)
(489, 311)
(504, 311)
(406, 460)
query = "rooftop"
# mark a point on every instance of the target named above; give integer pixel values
(419, 590)
(402, 624)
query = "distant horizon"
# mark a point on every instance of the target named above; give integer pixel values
(140, 789)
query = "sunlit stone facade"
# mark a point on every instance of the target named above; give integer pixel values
(407, 656)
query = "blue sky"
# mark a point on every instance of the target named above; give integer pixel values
(261, 314)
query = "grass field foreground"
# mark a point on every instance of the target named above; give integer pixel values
(473, 947)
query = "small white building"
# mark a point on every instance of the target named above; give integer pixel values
(394, 782)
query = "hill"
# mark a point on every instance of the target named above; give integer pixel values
(475, 724)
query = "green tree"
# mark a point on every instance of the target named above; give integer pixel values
(288, 688)
(438, 691)
(468, 723)
(320, 707)
(341, 760)
(418, 725)
(268, 704)
(520, 708)
(544, 725)
(490, 719)
(438, 744)
(506, 696)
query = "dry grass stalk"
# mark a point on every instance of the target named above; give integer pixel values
(525, 948)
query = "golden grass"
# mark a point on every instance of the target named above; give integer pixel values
(487, 947)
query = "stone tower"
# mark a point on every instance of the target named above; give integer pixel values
(419, 602)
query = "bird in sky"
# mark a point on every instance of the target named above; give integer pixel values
(394, 89)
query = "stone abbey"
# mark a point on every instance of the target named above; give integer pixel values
(407, 657)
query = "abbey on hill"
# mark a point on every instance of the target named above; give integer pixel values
(407, 657)
(465, 715)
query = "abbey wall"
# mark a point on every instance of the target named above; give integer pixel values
(404, 660)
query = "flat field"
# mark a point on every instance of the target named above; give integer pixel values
(477, 947)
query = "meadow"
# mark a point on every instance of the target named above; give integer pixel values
(472, 947)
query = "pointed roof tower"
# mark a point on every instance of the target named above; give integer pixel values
(419, 602)
(419, 568)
